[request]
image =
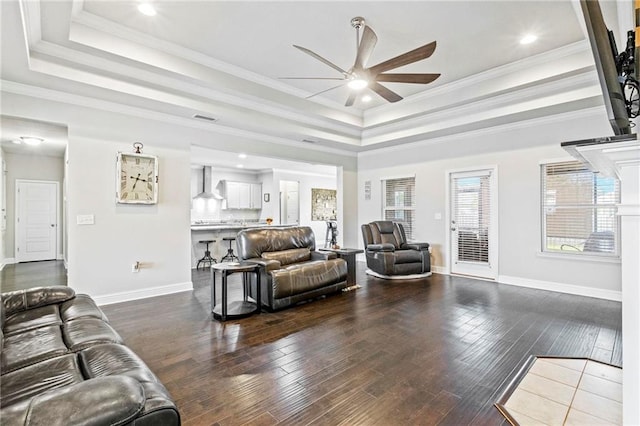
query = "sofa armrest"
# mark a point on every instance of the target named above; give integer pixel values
(386, 247)
(268, 264)
(22, 300)
(323, 255)
(114, 400)
(416, 246)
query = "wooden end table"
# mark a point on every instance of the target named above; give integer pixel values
(237, 308)
(349, 255)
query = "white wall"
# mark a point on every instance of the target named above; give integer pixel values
(517, 153)
(308, 181)
(3, 188)
(101, 255)
(32, 167)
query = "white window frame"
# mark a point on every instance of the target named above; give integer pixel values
(408, 229)
(577, 255)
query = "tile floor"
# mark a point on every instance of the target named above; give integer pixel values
(566, 391)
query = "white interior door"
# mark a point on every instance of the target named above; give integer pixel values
(473, 223)
(36, 220)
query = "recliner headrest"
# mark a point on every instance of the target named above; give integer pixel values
(384, 226)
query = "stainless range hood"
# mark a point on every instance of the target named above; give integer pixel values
(208, 193)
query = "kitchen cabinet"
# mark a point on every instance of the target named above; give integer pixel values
(243, 195)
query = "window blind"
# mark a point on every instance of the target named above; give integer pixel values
(472, 214)
(399, 202)
(579, 210)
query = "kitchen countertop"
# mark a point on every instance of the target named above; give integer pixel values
(223, 226)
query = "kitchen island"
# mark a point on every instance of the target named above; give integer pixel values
(216, 230)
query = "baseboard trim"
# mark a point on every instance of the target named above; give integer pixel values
(126, 296)
(561, 288)
(439, 270)
(9, 260)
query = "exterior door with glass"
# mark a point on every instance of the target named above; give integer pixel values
(473, 223)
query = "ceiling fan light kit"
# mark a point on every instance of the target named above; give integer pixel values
(359, 77)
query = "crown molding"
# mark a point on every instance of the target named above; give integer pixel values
(83, 101)
(372, 115)
(116, 30)
(574, 87)
(591, 112)
(248, 102)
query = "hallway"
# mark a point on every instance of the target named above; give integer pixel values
(19, 276)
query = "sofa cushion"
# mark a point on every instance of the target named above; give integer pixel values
(32, 346)
(287, 257)
(307, 276)
(27, 382)
(84, 332)
(81, 306)
(32, 318)
(109, 360)
(22, 300)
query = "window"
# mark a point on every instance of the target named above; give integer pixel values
(579, 210)
(399, 202)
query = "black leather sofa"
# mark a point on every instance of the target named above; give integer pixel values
(293, 271)
(390, 256)
(63, 364)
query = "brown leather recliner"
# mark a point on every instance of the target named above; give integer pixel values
(390, 256)
(293, 271)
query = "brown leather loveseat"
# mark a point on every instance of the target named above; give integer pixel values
(63, 364)
(293, 270)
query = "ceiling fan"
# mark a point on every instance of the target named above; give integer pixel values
(359, 76)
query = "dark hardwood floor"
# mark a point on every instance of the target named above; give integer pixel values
(32, 274)
(433, 351)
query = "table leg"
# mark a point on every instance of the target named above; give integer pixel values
(213, 289)
(224, 295)
(258, 289)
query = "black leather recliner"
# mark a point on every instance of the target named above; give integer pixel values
(390, 256)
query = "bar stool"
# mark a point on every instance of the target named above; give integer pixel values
(207, 255)
(230, 256)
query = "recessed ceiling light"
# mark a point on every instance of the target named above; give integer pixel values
(242, 155)
(31, 140)
(528, 39)
(240, 166)
(147, 9)
(17, 141)
(366, 98)
(358, 83)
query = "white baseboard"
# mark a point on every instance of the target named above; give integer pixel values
(562, 288)
(439, 270)
(9, 261)
(60, 256)
(109, 299)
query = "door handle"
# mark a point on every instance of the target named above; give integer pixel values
(53, 225)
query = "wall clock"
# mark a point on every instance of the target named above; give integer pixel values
(137, 178)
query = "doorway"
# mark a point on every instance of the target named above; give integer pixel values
(36, 220)
(473, 223)
(289, 202)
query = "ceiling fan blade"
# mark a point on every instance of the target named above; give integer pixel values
(389, 95)
(311, 78)
(367, 43)
(408, 78)
(351, 99)
(319, 93)
(321, 59)
(410, 57)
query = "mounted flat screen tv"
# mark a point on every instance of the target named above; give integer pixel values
(604, 53)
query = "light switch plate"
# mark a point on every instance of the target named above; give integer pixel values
(85, 219)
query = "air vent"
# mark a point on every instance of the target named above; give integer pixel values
(205, 118)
